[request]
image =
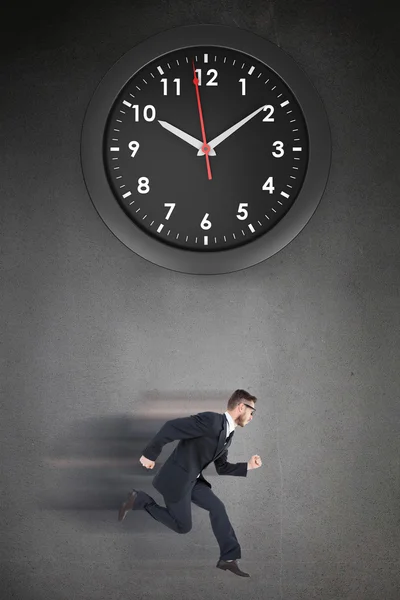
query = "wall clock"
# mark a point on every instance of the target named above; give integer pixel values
(205, 149)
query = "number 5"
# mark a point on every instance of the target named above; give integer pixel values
(242, 210)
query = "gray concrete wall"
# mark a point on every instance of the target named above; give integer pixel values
(100, 347)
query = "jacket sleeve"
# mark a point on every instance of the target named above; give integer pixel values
(179, 429)
(223, 467)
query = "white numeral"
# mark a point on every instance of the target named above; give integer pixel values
(198, 75)
(212, 72)
(279, 145)
(206, 224)
(148, 108)
(134, 146)
(269, 185)
(271, 112)
(242, 210)
(178, 86)
(170, 210)
(215, 75)
(143, 186)
(243, 82)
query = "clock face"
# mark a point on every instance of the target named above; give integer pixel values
(255, 172)
(197, 155)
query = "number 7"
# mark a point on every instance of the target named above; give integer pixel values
(170, 210)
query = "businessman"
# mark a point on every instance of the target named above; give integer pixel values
(204, 438)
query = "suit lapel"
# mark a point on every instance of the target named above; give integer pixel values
(221, 446)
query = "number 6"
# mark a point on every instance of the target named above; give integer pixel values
(205, 224)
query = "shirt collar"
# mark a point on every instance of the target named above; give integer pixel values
(231, 423)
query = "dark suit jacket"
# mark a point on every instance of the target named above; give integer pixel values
(202, 440)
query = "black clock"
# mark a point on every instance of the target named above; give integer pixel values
(205, 149)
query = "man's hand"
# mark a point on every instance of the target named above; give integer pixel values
(254, 462)
(149, 464)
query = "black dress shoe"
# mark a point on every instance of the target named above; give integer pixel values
(231, 566)
(128, 505)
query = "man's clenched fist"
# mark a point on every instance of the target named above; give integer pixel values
(254, 462)
(149, 464)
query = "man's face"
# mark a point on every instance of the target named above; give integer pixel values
(245, 416)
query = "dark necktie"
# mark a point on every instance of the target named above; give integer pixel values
(229, 437)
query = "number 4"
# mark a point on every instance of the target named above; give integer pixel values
(269, 185)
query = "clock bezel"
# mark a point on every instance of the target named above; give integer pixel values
(192, 261)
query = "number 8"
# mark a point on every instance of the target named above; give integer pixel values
(143, 186)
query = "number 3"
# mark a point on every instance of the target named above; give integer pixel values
(280, 148)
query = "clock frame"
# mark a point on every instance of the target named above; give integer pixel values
(192, 261)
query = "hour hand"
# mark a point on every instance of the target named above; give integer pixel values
(185, 136)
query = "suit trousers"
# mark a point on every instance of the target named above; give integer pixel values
(178, 516)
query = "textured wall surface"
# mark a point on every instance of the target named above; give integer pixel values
(99, 346)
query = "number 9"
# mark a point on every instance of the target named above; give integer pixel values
(133, 146)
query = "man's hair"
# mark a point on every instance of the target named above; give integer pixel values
(239, 396)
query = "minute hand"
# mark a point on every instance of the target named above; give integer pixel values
(220, 138)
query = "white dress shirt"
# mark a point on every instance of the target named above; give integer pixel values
(231, 423)
(230, 426)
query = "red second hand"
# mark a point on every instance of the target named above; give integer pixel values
(206, 148)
